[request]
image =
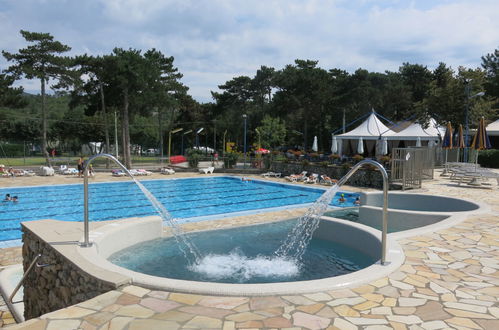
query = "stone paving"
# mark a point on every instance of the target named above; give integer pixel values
(450, 279)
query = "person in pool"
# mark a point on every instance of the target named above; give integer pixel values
(7, 197)
(342, 198)
(357, 201)
(15, 199)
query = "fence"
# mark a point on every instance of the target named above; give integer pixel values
(410, 166)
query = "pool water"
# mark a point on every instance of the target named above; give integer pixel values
(186, 199)
(351, 214)
(244, 261)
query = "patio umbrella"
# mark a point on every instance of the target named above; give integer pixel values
(334, 145)
(460, 141)
(480, 140)
(360, 147)
(384, 146)
(418, 142)
(447, 143)
(314, 145)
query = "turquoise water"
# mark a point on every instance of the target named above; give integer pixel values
(351, 214)
(233, 257)
(185, 199)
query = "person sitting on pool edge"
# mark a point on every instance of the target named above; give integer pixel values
(342, 198)
(357, 201)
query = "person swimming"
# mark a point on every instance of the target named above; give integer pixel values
(342, 198)
(15, 199)
(357, 201)
(7, 197)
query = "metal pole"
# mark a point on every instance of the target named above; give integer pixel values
(182, 145)
(244, 116)
(86, 225)
(223, 147)
(116, 134)
(214, 136)
(344, 121)
(169, 146)
(385, 199)
(467, 106)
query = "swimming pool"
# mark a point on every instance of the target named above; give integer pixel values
(186, 199)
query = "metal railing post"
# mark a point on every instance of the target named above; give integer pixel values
(385, 199)
(86, 225)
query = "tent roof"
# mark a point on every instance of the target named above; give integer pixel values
(370, 129)
(415, 130)
(493, 128)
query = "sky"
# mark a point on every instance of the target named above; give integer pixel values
(214, 41)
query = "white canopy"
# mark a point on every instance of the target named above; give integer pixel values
(415, 131)
(371, 129)
(493, 128)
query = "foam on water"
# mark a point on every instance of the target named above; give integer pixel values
(237, 265)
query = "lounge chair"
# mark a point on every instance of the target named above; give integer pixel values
(296, 177)
(63, 168)
(167, 171)
(207, 170)
(271, 174)
(70, 171)
(327, 181)
(46, 171)
(144, 172)
(118, 173)
(312, 178)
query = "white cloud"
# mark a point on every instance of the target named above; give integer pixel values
(215, 40)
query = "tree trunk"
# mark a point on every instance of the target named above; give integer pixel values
(106, 126)
(126, 132)
(44, 126)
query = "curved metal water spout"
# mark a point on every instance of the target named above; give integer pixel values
(385, 198)
(86, 225)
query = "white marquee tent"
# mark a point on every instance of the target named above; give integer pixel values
(371, 130)
(415, 131)
(493, 128)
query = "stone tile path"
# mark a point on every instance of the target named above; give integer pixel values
(450, 279)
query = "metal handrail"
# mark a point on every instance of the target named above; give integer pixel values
(385, 198)
(11, 297)
(86, 225)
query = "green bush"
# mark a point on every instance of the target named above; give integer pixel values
(489, 158)
(12, 150)
(230, 159)
(193, 156)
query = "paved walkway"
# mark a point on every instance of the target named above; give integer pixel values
(449, 279)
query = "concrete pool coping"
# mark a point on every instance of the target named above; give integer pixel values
(7, 287)
(140, 230)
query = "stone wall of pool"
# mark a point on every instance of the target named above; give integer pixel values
(362, 178)
(64, 282)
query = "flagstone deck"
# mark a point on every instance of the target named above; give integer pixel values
(449, 279)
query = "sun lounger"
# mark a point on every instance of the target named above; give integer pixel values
(167, 171)
(312, 178)
(296, 177)
(327, 181)
(70, 171)
(118, 173)
(46, 171)
(207, 170)
(271, 174)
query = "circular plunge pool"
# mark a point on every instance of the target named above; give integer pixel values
(242, 255)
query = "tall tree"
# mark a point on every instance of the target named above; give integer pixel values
(490, 63)
(40, 60)
(9, 96)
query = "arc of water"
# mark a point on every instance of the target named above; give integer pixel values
(297, 240)
(184, 243)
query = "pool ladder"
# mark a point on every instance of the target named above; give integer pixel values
(380, 167)
(30, 267)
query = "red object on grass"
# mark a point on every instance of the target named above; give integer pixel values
(177, 159)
